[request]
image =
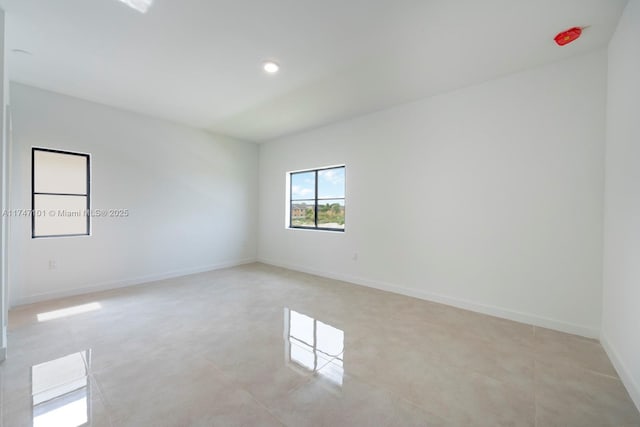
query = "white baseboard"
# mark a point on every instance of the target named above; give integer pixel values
(127, 282)
(629, 382)
(504, 313)
(3, 339)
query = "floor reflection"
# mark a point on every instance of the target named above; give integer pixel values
(61, 391)
(314, 346)
(69, 311)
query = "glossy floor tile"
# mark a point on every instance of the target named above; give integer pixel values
(261, 346)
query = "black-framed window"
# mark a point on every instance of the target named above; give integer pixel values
(60, 193)
(317, 199)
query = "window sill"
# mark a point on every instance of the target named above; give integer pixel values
(325, 230)
(55, 236)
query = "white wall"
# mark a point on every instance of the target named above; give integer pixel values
(192, 198)
(4, 96)
(488, 198)
(621, 302)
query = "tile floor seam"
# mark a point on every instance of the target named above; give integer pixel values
(263, 406)
(103, 399)
(485, 340)
(240, 386)
(602, 374)
(422, 408)
(535, 394)
(397, 396)
(476, 372)
(307, 379)
(579, 367)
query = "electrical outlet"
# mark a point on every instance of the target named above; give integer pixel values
(355, 256)
(52, 264)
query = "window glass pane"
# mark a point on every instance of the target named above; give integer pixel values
(331, 183)
(303, 214)
(59, 173)
(60, 215)
(331, 213)
(303, 185)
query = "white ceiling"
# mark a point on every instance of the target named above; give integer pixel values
(198, 62)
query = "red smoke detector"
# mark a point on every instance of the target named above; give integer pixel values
(568, 36)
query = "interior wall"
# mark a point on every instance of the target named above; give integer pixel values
(4, 96)
(488, 198)
(192, 198)
(621, 296)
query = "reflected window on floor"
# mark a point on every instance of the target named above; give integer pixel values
(60, 391)
(314, 346)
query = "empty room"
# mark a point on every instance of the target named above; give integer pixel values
(320, 213)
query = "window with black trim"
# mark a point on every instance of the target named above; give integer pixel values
(60, 193)
(317, 199)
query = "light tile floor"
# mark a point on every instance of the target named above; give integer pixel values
(259, 345)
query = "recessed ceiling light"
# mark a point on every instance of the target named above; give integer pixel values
(140, 5)
(270, 67)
